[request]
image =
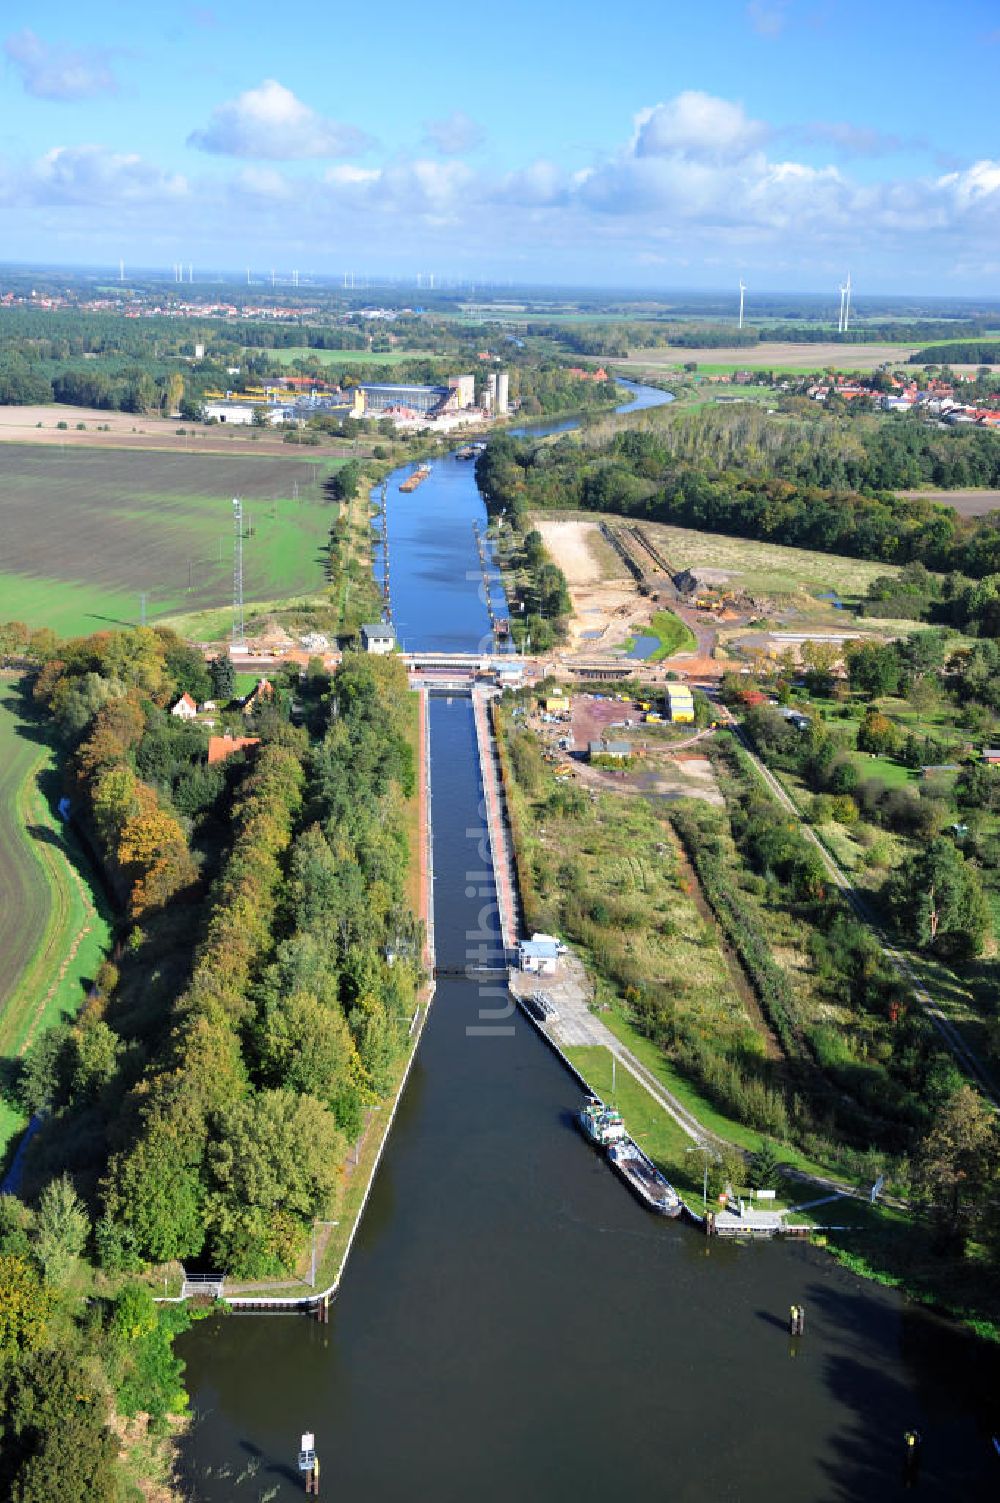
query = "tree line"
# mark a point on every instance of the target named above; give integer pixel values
(654, 474)
(258, 1005)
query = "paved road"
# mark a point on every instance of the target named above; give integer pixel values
(962, 1052)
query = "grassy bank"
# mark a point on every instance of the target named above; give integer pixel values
(54, 926)
(647, 1123)
(672, 634)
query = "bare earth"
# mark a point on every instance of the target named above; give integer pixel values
(605, 599)
(970, 503)
(763, 356)
(129, 430)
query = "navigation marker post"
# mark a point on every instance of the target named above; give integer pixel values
(309, 1462)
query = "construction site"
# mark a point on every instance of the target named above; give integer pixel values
(737, 598)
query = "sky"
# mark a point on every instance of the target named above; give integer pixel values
(652, 144)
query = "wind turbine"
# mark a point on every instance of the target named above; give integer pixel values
(743, 288)
(845, 306)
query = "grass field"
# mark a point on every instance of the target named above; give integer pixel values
(347, 357)
(672, 633)
(766, 568)
(54, 930)
(86, 533)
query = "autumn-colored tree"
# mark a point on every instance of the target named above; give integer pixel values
(14, 638)
(957, 1171)
(153, 850)
(25, 1307)
(114, 801)
(173, 393)
(118, 726)
(877, 734)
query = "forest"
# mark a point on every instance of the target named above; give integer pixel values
(259, 998)
(817, 484)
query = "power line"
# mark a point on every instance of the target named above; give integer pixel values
(238, 627)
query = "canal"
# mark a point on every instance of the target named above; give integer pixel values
(511, 1323)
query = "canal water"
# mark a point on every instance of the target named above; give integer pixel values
(512, 1324)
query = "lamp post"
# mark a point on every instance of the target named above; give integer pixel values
(312, 1265)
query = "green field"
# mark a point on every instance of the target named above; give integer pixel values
(765, 568)
(54, 931)
(86, 533)
(346, 357)
(672, 633)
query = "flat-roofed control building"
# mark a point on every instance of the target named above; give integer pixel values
(378, 637)
(679, 703)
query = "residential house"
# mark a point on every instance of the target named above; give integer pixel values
(185, 708)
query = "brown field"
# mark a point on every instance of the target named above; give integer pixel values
(604, 594)
(130, 430)
(85, 532)
(779, 354)
(970, 503)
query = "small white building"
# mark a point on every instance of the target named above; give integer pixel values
(240, 414)
(378, 638)
(185, 708)
(539, 955)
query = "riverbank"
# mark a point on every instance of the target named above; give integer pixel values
(320, 1272)
(562, 854)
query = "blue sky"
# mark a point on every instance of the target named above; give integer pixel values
(647, 144)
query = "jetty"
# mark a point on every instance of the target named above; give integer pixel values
(501, 844)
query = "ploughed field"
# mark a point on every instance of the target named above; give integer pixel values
(83, 534)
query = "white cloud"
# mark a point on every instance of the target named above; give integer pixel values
(698, 187)
(93, 175)
(455, 134)
(270, 123)
(265, 182)
(538, 185)
(344, 175)
(768, 17)
(52, 71)
(855, 140)
(699, 126)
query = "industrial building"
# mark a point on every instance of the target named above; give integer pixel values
(464, 388)
(227, 410)
(679, 704)
(378, 398)
(496, 398)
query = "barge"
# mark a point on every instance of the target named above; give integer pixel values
(643, 1178)
(600, 1124)
(417, 478)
